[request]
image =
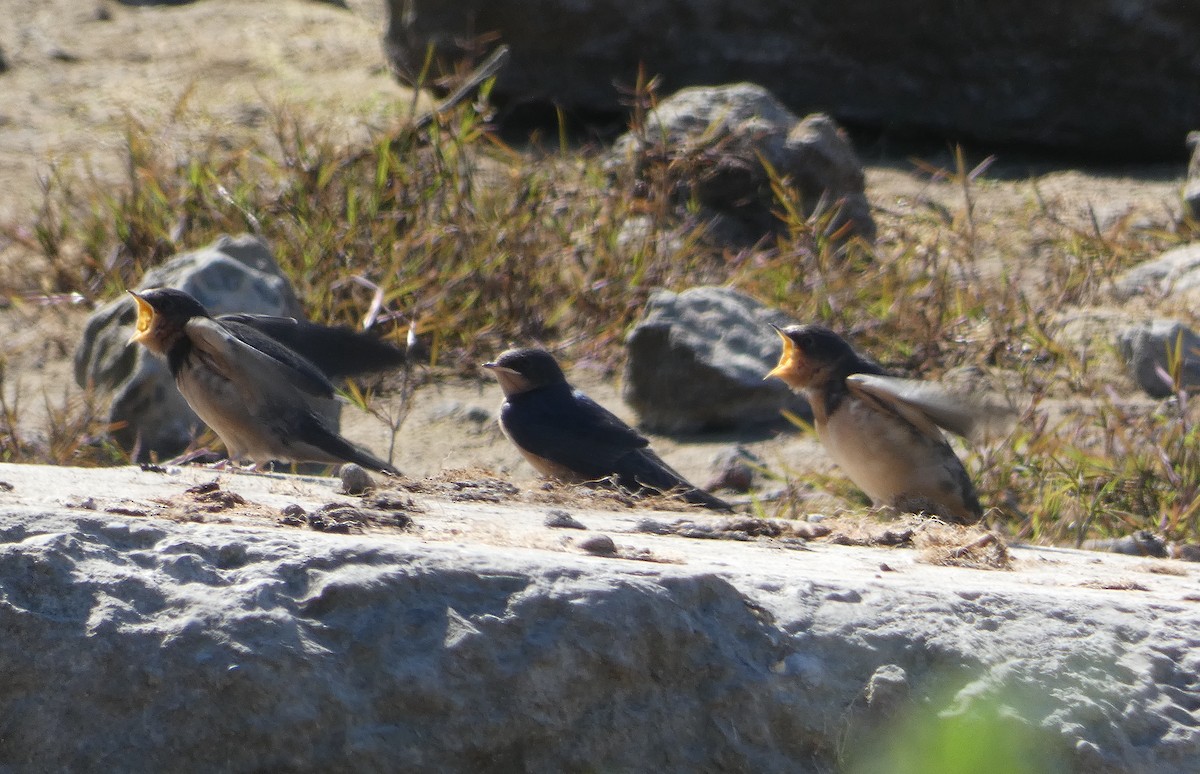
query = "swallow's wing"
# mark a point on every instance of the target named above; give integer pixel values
(337, 350)
(264, 322)
(570, 429)
(628, 456)
(253, 360)
(928, 406)
(607, 427)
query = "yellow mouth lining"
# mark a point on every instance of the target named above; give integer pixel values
(145, 319)
(789, 359)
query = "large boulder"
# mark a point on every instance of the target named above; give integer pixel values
(1104, 76)
(233, 274)
(722, 145)
(490, 642)
(696, 361)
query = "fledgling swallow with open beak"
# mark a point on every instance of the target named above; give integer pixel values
(881, 430)
(258, 395)
(567, 436)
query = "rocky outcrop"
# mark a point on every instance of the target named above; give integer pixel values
(1153, 348)
(1172, 274)
(1024, 72)
(696, 361)
(724, 147)
(489, 642)
(234, 274)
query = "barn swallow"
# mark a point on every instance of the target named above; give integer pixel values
(881, 430)
(568, 436)
(258, 395)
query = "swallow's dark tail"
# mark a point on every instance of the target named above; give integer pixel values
(338, 350)
(370, 461)
(338, 447)
(643, 469)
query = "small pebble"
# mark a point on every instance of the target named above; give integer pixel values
(653, 526)
(734, 470)
(560, 519)
(1140, 543)
(599, 545)
(355, 480)
(1188, 552)
(293, 515)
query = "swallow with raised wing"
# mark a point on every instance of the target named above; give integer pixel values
(258, 395)
(883, 431)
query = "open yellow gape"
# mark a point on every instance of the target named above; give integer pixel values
(145, 319)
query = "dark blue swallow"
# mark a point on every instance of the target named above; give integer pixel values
(568, 436)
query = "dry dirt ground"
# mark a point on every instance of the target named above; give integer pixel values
(77, 68)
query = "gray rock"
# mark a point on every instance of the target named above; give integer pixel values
(238, 649)
(1177, 271)
(697, 359)
(1140, 543)
(234, 274)
(1191, 189)
(355, 479)
(712, 141)
(734, 469)
(1145, 349)
(887, 688)
(598, 545)
(1024, 73)
(560, 519)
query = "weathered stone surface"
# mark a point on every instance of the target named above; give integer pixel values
(712, 143)
(1146, 347)
(697, 359)
(1015, 72)
(1177, 271)
(234, 274)
(486, 642)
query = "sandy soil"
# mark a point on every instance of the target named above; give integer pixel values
(77, 69)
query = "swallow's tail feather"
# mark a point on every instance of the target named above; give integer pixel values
(643, 469)
(339, 448)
